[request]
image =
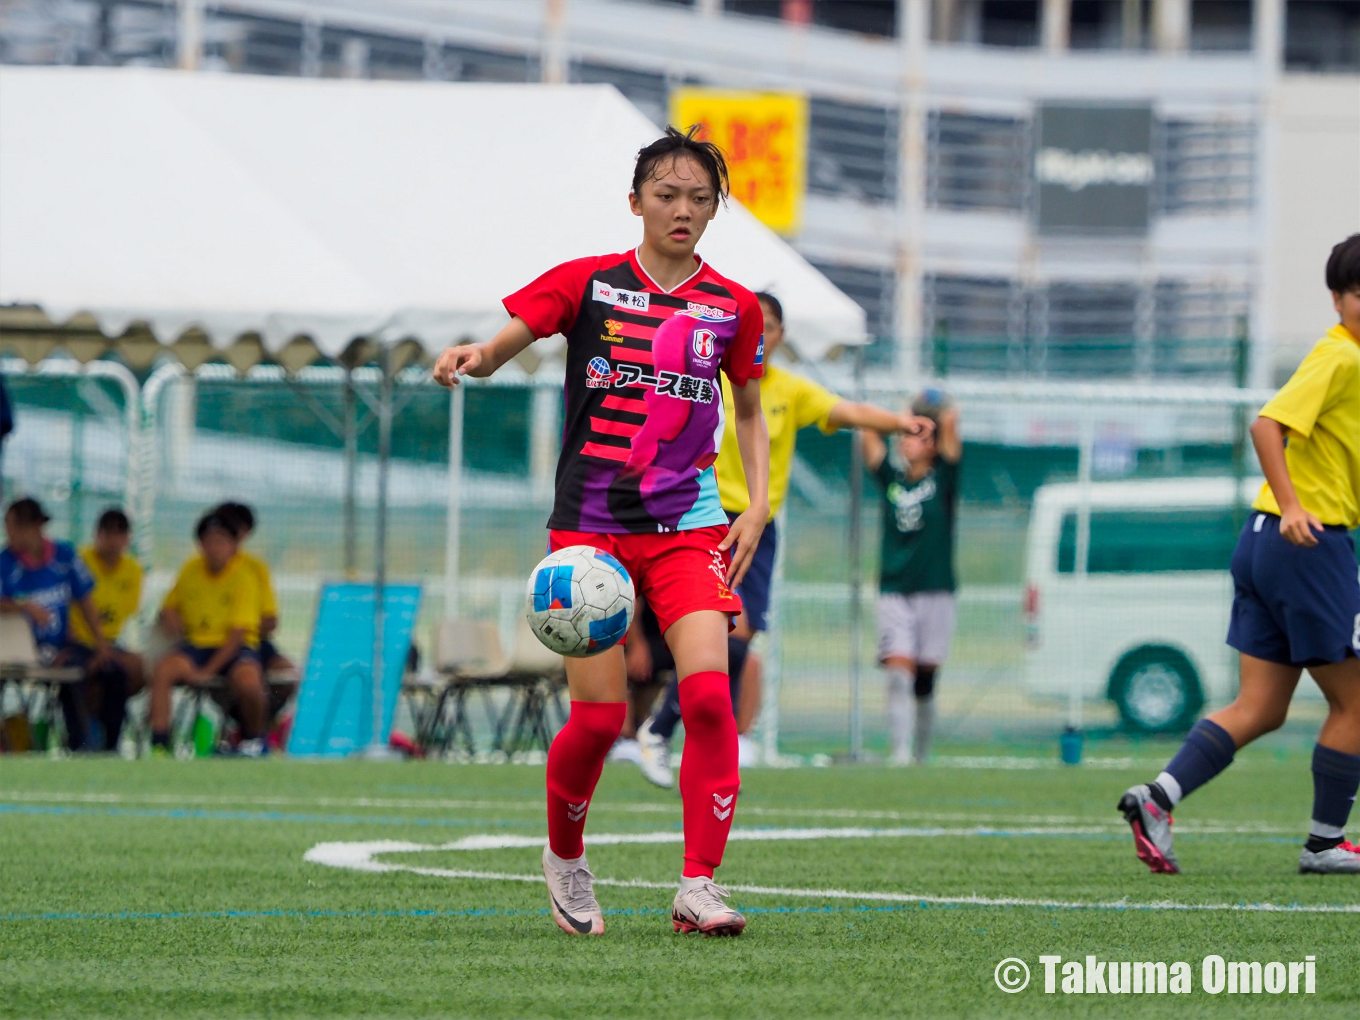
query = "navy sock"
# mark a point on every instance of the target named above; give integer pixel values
(736, 662)
(1207, 751)
(667, 717)
(1336, 777)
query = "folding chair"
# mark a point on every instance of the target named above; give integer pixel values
(468, 656)
(21, 666)
(535, 677)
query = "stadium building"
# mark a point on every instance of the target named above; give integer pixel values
(1117, 213)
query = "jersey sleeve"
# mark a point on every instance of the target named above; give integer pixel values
(813, 404)
(269, 603)
(245, 602)
(82, 581)
(174, 597)
(550, 304)
(744, 359)
(1309, 391)
(883, 474)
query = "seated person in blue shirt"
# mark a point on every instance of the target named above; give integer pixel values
(41, 579)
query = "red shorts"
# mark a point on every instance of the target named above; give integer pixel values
(677, 572)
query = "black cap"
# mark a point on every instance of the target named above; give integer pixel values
(27, 511)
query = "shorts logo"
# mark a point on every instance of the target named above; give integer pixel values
(599, 375)
(719, 568)
(702, 311)
(760, 351)
(615, 328)
(703, 343)
(633, 300)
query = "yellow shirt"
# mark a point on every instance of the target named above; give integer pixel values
(213, 605)
(1320, 408)
(117, 594)
(269, 605)
(790, 402)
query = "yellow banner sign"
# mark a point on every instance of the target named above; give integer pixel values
(764, 137)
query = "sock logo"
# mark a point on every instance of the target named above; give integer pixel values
(576, 812)
(722, 806)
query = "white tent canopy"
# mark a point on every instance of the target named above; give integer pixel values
(280, 207)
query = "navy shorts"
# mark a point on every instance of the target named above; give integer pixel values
(754, 589)
(1291, 605)
(200, 656)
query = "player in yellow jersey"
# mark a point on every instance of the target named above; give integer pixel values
(214, 608)
(790, 402)
(1296, 600)
(117, 594)
(242, 517)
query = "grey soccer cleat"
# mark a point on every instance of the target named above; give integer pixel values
(699, 907)
(654, 757)
(571, 895)
(1151, 830)
(1342, 859)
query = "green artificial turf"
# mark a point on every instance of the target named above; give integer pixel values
(179, 889)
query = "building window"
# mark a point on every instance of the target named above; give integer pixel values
(1204, 167)
(1322, 35)
(1175, 328)
(976, 162)
(852, 150)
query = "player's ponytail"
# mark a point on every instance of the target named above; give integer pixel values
(673, 143)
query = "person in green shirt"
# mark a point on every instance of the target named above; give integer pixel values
(916, 567)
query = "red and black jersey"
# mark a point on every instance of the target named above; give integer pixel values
(644, 410)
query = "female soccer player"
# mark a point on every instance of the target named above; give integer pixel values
(1296, 602)
(916, 568)
(647, 332)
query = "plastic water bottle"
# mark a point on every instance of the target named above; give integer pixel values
(205, 736)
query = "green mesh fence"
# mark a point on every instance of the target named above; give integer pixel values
(1030, 630)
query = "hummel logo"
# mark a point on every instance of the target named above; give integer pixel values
(577, 811)
(722, 802)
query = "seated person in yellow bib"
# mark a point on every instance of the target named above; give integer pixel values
(117, 595)
(214, 608)
(242, 518)
(790, 402)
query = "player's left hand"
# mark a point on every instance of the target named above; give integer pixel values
(742, 538)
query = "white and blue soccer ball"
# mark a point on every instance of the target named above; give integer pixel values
(580, 601)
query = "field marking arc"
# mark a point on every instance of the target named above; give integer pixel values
(360, 856)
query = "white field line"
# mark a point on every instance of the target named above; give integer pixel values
(1090, 824)
(360, 857)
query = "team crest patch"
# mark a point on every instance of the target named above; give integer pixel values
(599, 376)
(703, 343)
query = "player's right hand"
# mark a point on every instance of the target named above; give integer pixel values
(1297, 526)
(455, 362)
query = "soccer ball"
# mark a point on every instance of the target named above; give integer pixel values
(580, 601)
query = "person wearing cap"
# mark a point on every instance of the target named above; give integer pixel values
(41, 580)
(214, 608)
(117, 595)
(916, 567)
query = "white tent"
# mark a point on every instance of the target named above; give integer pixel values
(306, 213)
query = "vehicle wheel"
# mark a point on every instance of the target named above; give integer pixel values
(1157, 690)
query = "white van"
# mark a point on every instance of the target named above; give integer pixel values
(1145, 626)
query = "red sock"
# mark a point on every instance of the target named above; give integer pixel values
(708, 769)
(574, 764)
